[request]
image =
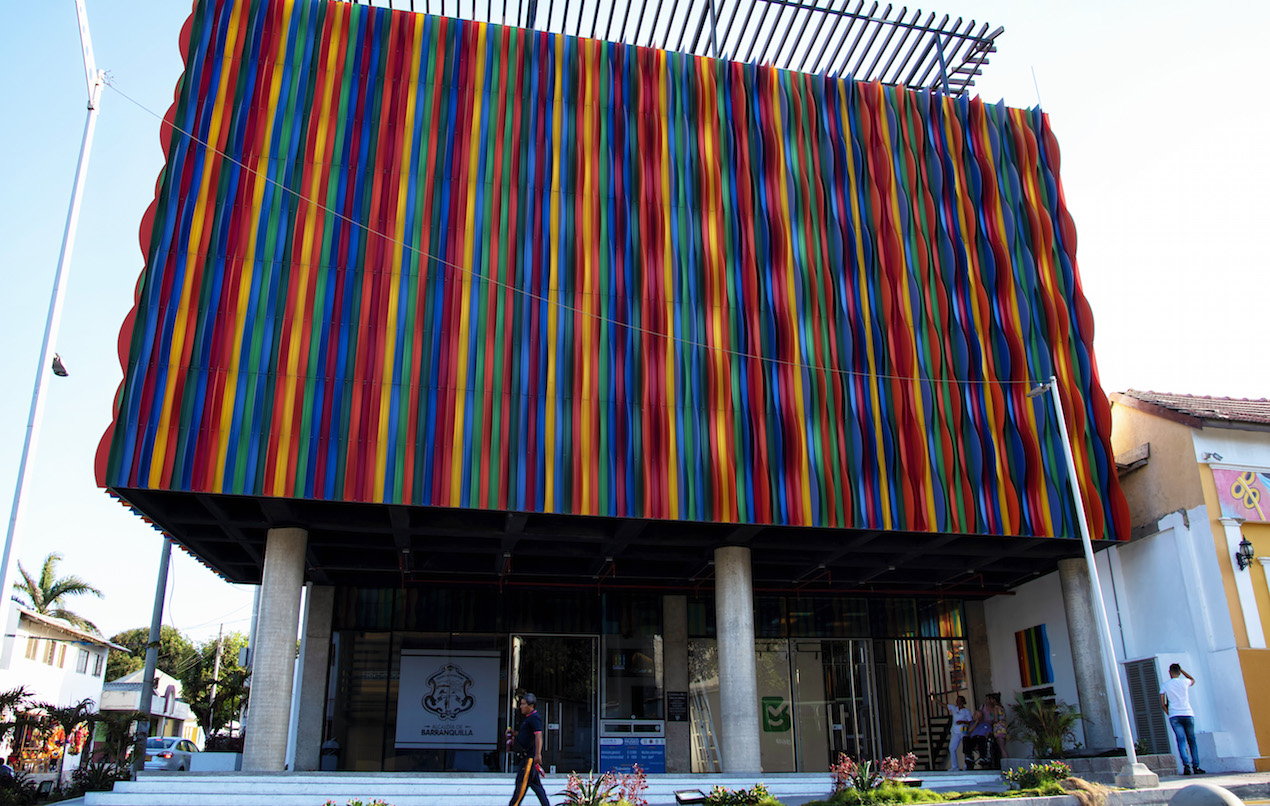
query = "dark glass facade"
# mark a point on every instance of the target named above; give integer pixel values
(835, 674)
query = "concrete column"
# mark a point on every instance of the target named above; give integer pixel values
(315, 649)
(1243, 584)
(1082, 632)
(674, 648)
(273, 666)
(738, 675)
(978, 650)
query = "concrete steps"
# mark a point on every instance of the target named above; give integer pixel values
(439, 789)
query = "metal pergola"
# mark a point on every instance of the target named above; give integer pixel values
(834, 37)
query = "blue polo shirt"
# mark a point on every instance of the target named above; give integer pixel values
(525, 736)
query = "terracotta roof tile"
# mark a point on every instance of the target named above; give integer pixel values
(1223, 409)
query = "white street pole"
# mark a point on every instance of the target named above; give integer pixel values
(1134, 774)
(96, 80)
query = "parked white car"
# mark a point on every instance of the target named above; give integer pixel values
(169, 753)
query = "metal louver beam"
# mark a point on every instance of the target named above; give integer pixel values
(836, 37)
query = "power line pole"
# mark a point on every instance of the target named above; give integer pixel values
(211, 701)
(145, 706)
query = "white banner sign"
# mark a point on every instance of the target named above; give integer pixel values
(448, 699)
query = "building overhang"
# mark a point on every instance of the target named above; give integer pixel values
(391, 546)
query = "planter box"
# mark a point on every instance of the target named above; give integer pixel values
(1102, 769)
(216, 762)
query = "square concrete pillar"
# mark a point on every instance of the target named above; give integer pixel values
(315, 649)
(273, 660)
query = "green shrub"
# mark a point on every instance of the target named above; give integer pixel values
(758, 796)
(20, 790)
(1044, 790)
(98, 776)
(886, 793)
(1049, 726)
(1036, 775)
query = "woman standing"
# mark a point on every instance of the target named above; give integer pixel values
(1000, 727)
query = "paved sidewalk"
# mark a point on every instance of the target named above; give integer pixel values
(1249, 787)
(1252, 788)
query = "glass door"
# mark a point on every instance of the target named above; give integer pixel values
(562, 672)
(834, 691)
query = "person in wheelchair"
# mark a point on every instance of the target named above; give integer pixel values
(978, 739)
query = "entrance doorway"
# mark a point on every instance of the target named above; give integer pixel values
(843, 695)
(561, 671)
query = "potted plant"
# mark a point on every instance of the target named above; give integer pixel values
(1046, 725)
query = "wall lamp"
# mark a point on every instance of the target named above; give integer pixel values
(1244, 556)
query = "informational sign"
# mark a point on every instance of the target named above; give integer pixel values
(621, 753)
(676, 706)
(777, 717)
(448, 699)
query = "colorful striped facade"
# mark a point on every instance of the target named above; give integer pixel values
(406, 259)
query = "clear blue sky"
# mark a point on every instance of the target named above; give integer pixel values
(1164, 167)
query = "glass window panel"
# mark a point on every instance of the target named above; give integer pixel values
(776, 708)
(769, 617)
(703, 703)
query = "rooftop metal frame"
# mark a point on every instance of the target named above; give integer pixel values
(832, 37)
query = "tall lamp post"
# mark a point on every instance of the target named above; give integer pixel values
(96, 80)
(1134, 775)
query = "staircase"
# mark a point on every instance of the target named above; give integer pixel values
(409, 789)
(931, 747)
(452, 789)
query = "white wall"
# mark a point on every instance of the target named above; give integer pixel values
(1177, 613)
(1033, 603)
(60, 685)
(1164, 599)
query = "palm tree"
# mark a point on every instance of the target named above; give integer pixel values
(14, 705)
(68, 718)
(47, 594)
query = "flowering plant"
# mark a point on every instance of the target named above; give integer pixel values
(895, 768)
(590, 791)
(611, 787)
(849, 773)
(631, 786)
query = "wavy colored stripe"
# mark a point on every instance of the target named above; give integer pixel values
(436, 262)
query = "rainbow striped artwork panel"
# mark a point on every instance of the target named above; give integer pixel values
(408, 259)
(1034, 657)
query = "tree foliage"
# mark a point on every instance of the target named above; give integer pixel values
(194, 666)
(175, 652)
(230, 685)
(47, 594)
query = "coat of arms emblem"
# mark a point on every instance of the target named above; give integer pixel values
(448, 696)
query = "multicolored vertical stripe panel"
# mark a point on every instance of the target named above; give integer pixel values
(416, 260)
(1034, 657)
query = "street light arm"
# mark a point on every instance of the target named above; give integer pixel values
(91, 76)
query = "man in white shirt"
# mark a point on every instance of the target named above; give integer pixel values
(961, 719)
(1175, 699)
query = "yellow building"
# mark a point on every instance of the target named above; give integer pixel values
(1196, 473)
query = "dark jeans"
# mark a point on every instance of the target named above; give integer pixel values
(527, 778)
(1184, 730)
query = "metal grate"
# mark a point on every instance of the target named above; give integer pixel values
(834, 37)
(1144, 696)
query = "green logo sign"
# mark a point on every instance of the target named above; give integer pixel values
(776, 715)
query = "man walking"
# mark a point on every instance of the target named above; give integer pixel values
(527, 753)
(1175, 699)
